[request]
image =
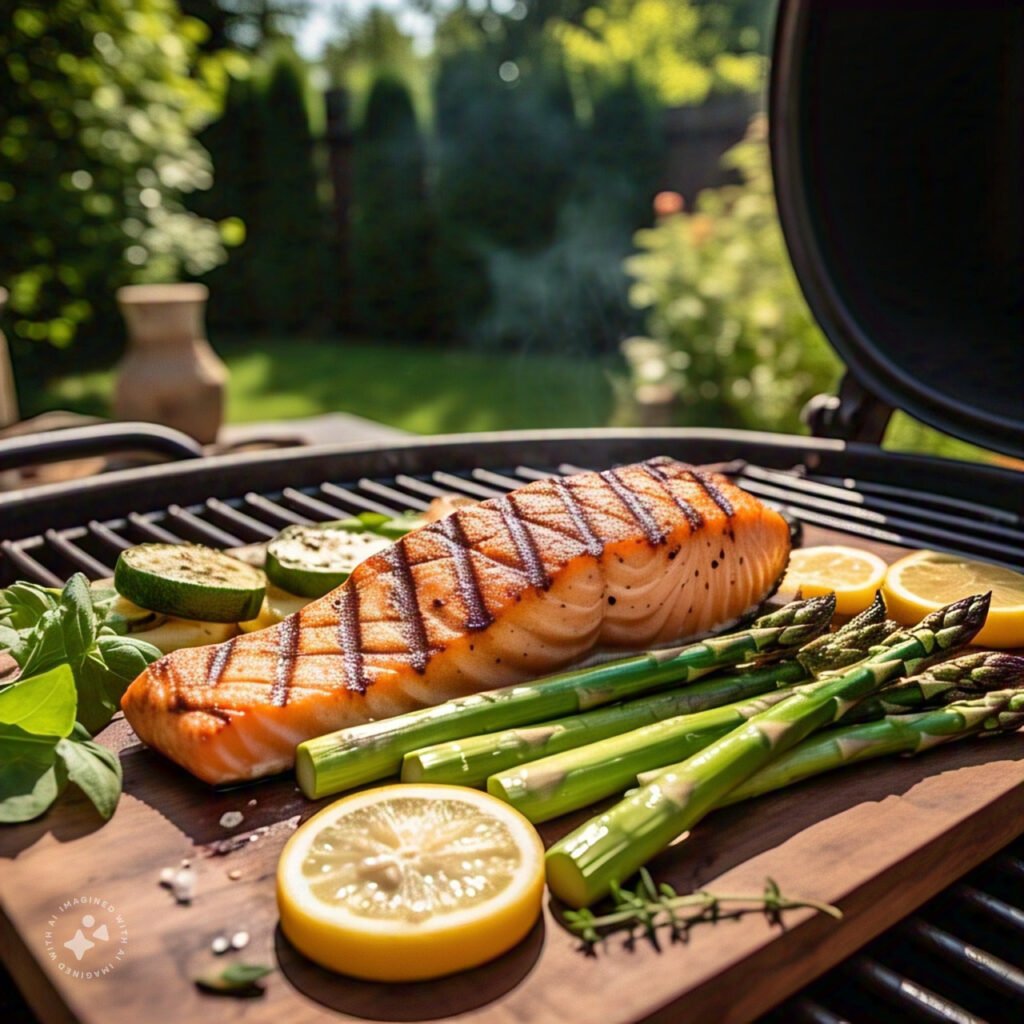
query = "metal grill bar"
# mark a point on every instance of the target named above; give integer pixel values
(474, 490)
(988, 969)
(152, 531)
(81, 560)
(107, 535)
(986, 904)
(399, 498)
(419, 486)
(277, 512)
(916, 1000)
(26, 566)
(357, 500)
(207, 532)
(240, 521)
(842, 498)
(973, 508)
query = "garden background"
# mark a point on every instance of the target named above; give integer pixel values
(531, 213)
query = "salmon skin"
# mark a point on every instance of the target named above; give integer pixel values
(512, 588)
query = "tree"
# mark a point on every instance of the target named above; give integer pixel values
(392, 280)
(263, 153)
(98, 105)
(245, 24)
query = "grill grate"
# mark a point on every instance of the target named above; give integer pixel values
(876, 511)
(958, 960)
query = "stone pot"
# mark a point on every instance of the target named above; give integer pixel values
(170, 374)
(8, 396)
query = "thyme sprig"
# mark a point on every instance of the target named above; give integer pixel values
(651, 906)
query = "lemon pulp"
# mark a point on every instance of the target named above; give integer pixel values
(410, 882)
(851, 573)
(926, 580)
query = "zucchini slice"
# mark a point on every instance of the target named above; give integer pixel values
(190, 582)
(312, 560)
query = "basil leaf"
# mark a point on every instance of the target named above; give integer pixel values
(126, 656)
(43, 705)
(105, 673)
(31, 777)
(79, 620)
(94, 769)
(41, 647)
(22, 604)
(236, 980)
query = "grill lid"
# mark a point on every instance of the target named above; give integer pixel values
(897, 157)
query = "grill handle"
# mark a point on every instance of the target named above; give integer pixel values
(96, 439)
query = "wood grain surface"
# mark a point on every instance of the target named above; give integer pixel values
(877, 839)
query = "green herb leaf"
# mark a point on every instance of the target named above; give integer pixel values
(94, 769)
(105, 673)
(22, 604)
(79, 621)
(31, 777)
(235, 980)
(43, 705)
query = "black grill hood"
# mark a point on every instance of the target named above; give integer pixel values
(896, 140)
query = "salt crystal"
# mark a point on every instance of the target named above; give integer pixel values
(234, 874)
(167, 876)
(184, 885)
(220, 945)
(231, 819)
(240, 940)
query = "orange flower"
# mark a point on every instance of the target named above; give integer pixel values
(668, 203)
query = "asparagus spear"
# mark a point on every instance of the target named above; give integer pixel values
(608, 849)
(363, 753)
(470, 760)
(556, 783)
(996, 711)
(960, 679)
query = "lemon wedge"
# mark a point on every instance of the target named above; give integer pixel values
(853, 574)
(409, 882)
(926, 580)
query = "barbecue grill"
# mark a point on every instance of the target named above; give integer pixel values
(925, 323)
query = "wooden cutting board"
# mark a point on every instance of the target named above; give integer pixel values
(877, 840)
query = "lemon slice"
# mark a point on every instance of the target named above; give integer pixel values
(926, 580)
(408, 882)
(854, 575)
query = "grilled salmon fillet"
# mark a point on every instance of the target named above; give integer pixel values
(511, 588)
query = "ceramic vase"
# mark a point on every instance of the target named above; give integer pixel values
(170, 374)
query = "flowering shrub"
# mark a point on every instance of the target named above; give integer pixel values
(729, 331)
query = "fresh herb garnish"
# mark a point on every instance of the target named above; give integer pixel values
(73, 671)
(235, 980)
(650, 906)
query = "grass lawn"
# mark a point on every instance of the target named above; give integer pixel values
(423, 390)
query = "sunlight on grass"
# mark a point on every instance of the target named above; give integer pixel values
(425, 390)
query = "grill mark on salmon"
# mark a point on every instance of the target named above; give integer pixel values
(287, 651)
(579, 518)
(404, 597)
(219, 661)
(477, 617)
(635, 506)
(693, 517)
(523, 541)
(712, 490)
(350, 640)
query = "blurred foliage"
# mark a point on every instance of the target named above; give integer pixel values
(267, 194)
(245, 24)
(730, 332)
(671, 47)
(372, 47)
(392, 280)
(99, 100)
